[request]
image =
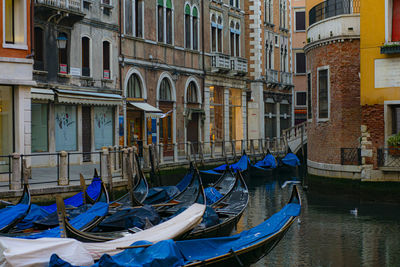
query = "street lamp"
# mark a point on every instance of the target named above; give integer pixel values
(62, 41)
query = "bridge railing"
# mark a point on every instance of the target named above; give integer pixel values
(295, 132)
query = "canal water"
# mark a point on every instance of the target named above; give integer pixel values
(333, 230)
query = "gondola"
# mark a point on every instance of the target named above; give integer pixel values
(241, 249)
(264, 167)
(289, 162)
(51, 221)
(22, 252)
(36, 212)
(85, 221)
(163, 194)
(193, 194)
(228, 209)
(137, 193)
(13, 214)
(242, 165)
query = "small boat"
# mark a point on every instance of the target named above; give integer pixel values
(13, 214)
(193, 194)
(36, 212)
(163, 194)
(138, 193)
(289, 163)
(227, 211)
(264, 166)
(241, 249)
(23, 252)
(241, 165)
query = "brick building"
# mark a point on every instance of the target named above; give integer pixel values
(268, 33)
(15, 78)
(333, 84)
(183, 81)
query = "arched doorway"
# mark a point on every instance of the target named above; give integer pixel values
(134, 116)
(166, 105)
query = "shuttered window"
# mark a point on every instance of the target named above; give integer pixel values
(300, 63)
(300, 21)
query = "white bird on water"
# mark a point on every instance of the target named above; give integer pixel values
(354, 211)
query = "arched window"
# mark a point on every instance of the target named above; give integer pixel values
(237, 39)
(39, 55)
(85, 56)
(106, 60)
(165, 90)
(195, 29)
(187, 27)
(165, 22)
(192, 93)
(133, 23)
(213, 33)
(219, 35)
(134, 88)
(232, 28)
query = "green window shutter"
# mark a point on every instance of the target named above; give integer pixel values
(169, 4)
(187, 10)
(161, 2)
(195, 12)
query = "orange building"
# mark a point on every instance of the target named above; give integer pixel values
(15, 77)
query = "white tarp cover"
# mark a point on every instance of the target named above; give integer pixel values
(37, 252)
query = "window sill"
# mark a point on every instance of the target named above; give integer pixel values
(40, 72)
(64, 75)
(87, 78)
(16, 46)
(300, 74)
(106, 6)
(299, 31)
(322, 120)
(107, 80)
(269, 24)
(391, 48)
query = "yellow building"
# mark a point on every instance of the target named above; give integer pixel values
(380, 80)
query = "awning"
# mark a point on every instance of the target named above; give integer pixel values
(88, 98)
(42, 94)
(151, 112)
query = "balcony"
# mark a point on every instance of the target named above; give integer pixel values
(286, 79)
(220, 62)
(64, 12)
(333, 8)
(239, 65)
(272, 77)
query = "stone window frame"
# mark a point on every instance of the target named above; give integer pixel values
(388, 20)
(16, 45)
(133, 22)
(164, 22)
(269, 9)
(219, 28)
(326, 67)
(295, 96)
(388, 117)
(298, 10)
(192, 17)
(235, 30)
(295, 52)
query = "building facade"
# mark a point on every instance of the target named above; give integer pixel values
(75, 104)
(182, 82)
(298, 18)
(333, 87)
(268, 33)
(15, 78)
(380, 84)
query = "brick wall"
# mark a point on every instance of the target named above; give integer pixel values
(342, 130)
(373, 118)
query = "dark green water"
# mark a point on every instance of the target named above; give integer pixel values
(329, 233)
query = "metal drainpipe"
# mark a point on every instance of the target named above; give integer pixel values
(202, 47)
(120, 69)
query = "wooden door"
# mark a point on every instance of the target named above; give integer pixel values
(86, 133)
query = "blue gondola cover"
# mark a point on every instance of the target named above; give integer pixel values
(212, 195)
(291, 160)
(98, 209)
(268, 161)
(241, 165)
(10, 213)
(170, 253)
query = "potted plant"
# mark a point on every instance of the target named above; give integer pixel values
(394, 144)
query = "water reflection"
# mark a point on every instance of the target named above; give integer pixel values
(331, 231)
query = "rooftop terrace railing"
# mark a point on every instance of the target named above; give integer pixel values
(331, 8)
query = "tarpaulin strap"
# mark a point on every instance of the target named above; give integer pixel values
(236, 257)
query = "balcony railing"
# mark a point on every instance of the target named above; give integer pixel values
(239, 64)
(333, 8)
(221, 62)
(272, 76)
(286, 78)
(63, 4)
